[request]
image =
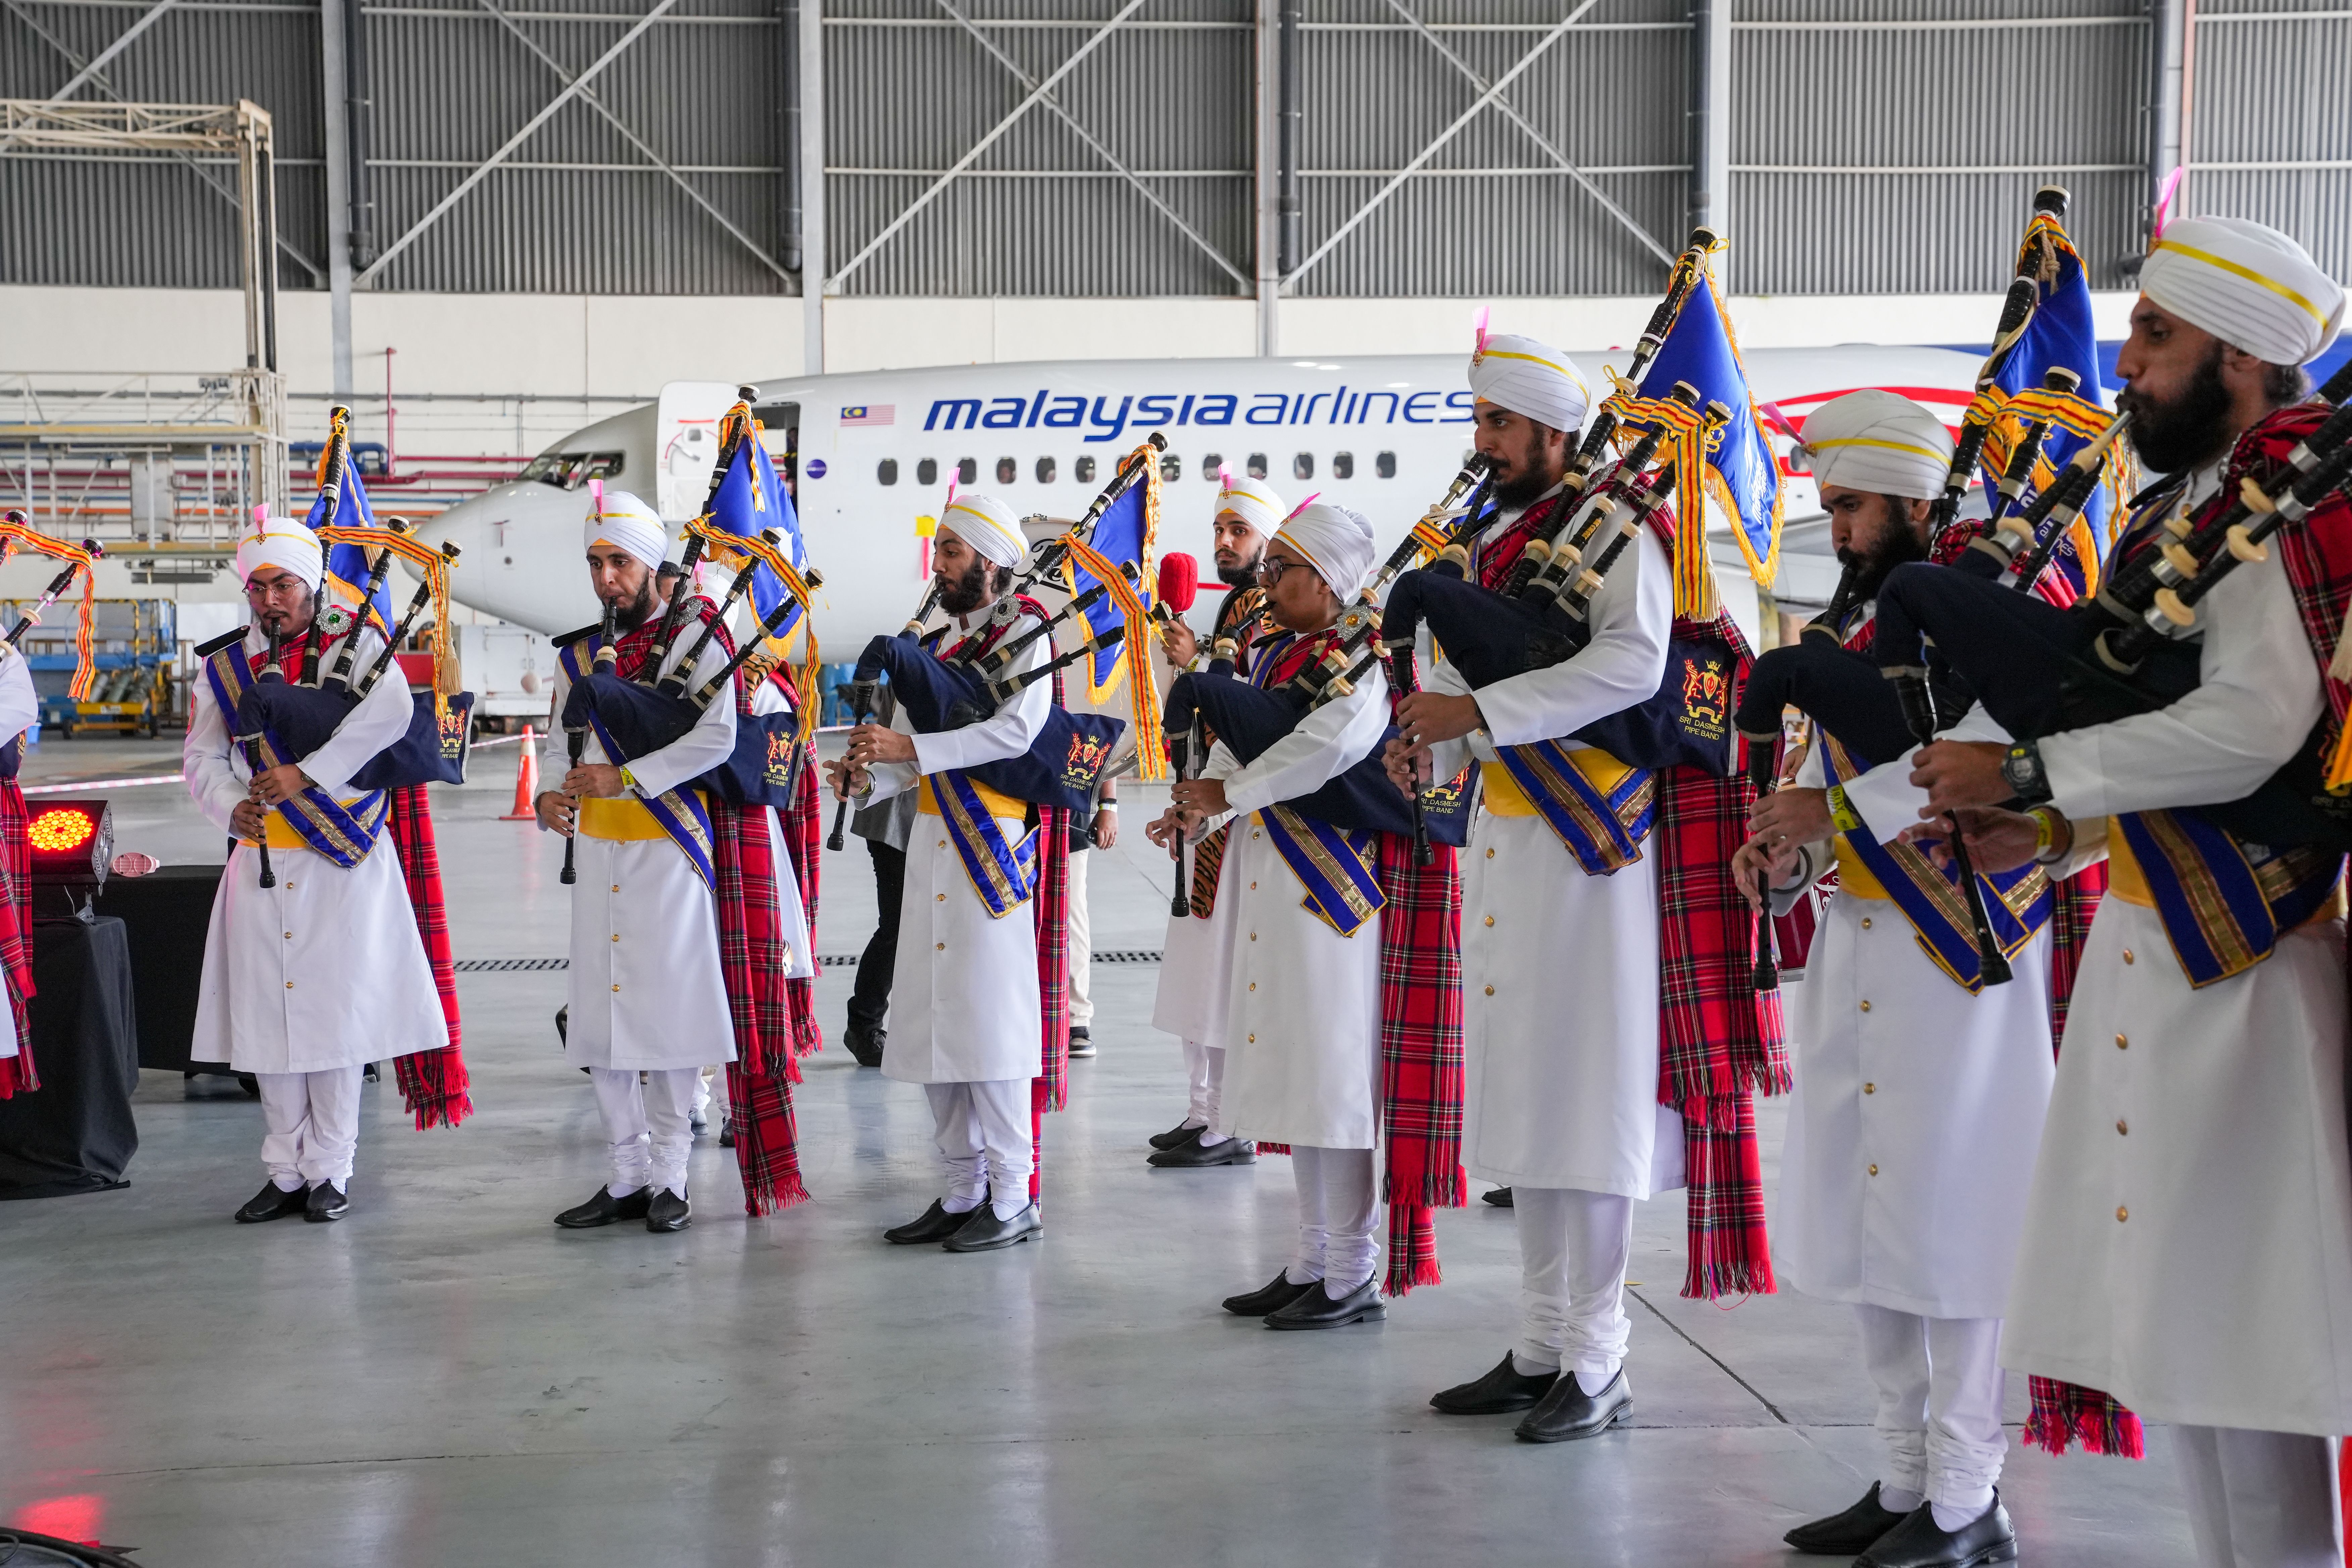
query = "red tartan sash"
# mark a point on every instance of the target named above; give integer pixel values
(18, 1074)
(1421, 1053)
(1497, 556)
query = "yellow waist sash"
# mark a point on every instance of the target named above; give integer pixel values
(622, 818)
(1853, 876)
(1504, 798)
(283, 834)
(997, 803)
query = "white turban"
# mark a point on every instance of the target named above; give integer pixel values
(625, 522)
(1876, 441)
(1530, 378)
(2247, 284)
(1336, 543)
(281, 544)
(987, 525)
(1252, 501)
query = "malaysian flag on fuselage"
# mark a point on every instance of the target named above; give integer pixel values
(870, 413)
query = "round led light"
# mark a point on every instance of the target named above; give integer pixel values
(61, 828)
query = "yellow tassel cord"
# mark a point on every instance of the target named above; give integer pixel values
(1150, 748)
(15, 531)
(434, 567)
(725, 545)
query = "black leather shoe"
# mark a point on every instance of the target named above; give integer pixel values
(984, 1231)
(1917, 1543)
(1499, 1196)
(668, 1211)
(1314, 1308)
(1846, 1534)
(864, 1045)
(326, 1203)
(726, 1133)
(1500, 1390)
(1082, 1042)
(1199, 1156)
(1182, 1132)
(1568, 1411)
(605, 1208)
(1270, 1298)
(935, 1226)
(272, 1203)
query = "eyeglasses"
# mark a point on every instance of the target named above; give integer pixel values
(1271, 568)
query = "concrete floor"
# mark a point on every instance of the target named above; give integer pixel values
(447, 1378)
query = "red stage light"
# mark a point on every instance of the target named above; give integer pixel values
(72, 840)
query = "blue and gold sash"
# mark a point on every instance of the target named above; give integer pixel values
(2223, 903)
(1602, 820)
(343, 834)
(2017, 903)
(683, 815)
(1337, 868)
(1004, 874)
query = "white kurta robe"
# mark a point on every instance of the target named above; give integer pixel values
(1559, 970)
(963, 998)
(1913, 1127)
(646, 990)
(1302, 1031)
(324, 970)
(2187, 1247)
(18, 709)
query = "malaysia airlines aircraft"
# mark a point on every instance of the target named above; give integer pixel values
(872, 455)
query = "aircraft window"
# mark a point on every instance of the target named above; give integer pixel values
(1385, 465)
(1083, 471)
(1044, 470)
(1258, 464)
(1007, 470)
(887, 471)
(1172, 467)
(967, 471)
(1210, 464)
(1302, 466)
(570, 470)
(927, 471)
(1343, 464)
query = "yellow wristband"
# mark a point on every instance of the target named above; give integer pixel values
(1841, 816)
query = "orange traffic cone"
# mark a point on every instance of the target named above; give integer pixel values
(526, 780)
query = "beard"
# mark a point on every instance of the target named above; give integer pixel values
(635, 612)
(962, 596)
(1532, 475)
(1893, 544)
(2186, 430)
(1244, 572)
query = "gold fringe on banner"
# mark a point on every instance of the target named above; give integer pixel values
(755, 670)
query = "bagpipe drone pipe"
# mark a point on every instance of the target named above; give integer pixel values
(651, 711)
(2040, 670)
(1543, 617)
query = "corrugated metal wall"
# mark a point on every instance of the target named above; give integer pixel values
(1878, 146)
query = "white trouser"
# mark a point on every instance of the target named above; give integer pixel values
(314, 1126)
(1939, 1392)
(1573, 1245)
(987, 1143)
(1204, 1076)
(1081, 930)
(702, 1080)
(1338, 1200)
(2260, 1499)
(646, 1126)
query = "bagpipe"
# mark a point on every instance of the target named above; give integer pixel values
(2040, 670)
(1543, 617)
(1065, 762)
(640, 716)
(15, 531)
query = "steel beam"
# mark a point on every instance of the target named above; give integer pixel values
(122, 41)
(334, 77)
(812, 208)
(1012, 119)
(1558, 31)
(529, 129)
(2171, 53)
(1266, 158)
(1710, 119)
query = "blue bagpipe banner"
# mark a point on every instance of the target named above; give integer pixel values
(751, 498)
(1733, 462)
(347, 564)
(2058, 336)
(1124, 535)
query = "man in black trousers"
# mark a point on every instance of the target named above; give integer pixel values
(884, 825)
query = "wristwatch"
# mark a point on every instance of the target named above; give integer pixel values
(2023, 770)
